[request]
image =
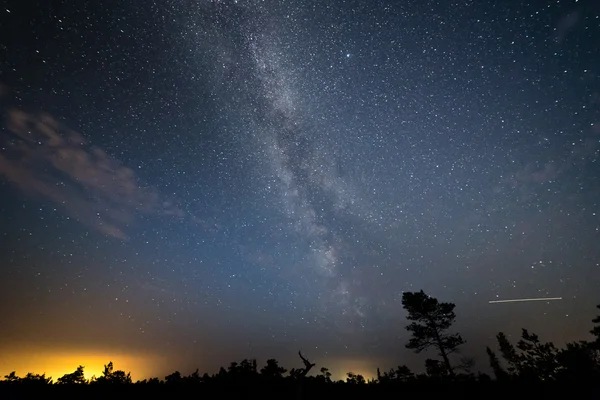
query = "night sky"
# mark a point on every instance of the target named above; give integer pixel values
(188, 183)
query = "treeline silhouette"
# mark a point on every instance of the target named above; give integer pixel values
(530, 368)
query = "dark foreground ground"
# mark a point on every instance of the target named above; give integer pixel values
(492, 390)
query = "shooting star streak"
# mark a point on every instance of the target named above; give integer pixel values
(522, 300)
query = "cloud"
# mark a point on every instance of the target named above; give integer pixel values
(531, 174)
(579, 153)
(264, 259)
(44, 158)
(566, 24)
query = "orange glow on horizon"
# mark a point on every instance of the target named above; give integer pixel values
(339, 369)
(56, 363)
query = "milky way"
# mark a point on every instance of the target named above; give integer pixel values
(225, 179)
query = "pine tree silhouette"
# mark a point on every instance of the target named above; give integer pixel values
(432, 320)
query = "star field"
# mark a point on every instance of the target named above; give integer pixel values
(202, 181)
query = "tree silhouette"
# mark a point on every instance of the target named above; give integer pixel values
(578, 362)
(537, 359)
(431, 321)
(596, 331)
(248, 367)
(404, 374)
(499, 372)
(233, 367)
(74, 378)
(272, 370)
(509, 353)
(12, 377)
(301, 373)
(222, 374)
(355, 379)
(245, 371)
(110, 376)
(174, 378)
(295, 373)
(326, 375)
(36, 379)
(436, 369)
(194, 377)
(400, 374)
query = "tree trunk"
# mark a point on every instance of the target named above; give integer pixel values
(443, 354)
(447, 362)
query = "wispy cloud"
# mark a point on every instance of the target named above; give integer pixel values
(532, 174)
(44, 158)
(579, 152)
(566, 24)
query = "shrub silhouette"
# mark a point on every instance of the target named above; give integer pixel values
(74, 378)
(174, 378)
(355, 379)
(112, 377)
(325, 375)
(272, 370)
(12, 378)
(401, 374)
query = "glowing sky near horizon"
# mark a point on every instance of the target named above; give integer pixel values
(57, 362)
(206, 181)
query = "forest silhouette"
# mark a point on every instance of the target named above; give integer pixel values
(528, 369)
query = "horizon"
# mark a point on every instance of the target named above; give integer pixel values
(55, 364)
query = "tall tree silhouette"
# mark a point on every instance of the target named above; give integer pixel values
(431, 321)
